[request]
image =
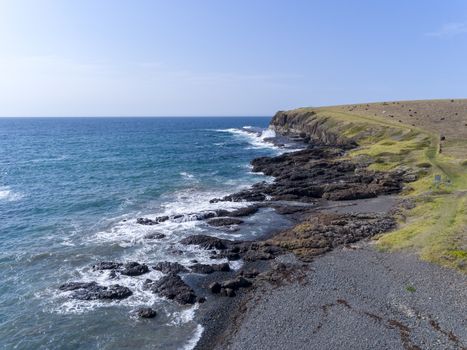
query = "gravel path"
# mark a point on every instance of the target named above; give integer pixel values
(358, 298)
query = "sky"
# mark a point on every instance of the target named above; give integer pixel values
(225, 58)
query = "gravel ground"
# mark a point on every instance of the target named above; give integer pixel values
(357, 298)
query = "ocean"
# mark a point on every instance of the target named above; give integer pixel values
(70, 192)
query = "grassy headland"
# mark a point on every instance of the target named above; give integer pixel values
(430, 137)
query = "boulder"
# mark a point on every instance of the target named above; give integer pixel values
(215, 287)
(107, 265)
(224, 222)
(147, 312)
(206, 242)
(170, 267)
(156, 235)
(77, 285)
(174, 288)
(236, 283)
(207, 269)
(243, 211)
(146, 221)
(94, 291)
(134, 269)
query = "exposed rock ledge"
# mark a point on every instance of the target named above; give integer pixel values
(305, 124)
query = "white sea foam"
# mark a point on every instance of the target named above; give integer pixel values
(8, 195)
(140, 296)
(195, 339)
(258, 138)
(183, 316)
(187, 175)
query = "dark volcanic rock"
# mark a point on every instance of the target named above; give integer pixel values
(170, 267)
(224, 222)
(236, 283)
(107, 265)
(147, 312)
(172, 287)
(319, 172)
(206, 242)
(243, 196)
(77, 285)
(93, 291)
(228, 287)
(243, 211)
(154, 236)
(354, 191)
(134, 269)
(322, 232)
(207, 269)
(146, 221)
(215, 287)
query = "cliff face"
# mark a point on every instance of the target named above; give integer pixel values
(307, 124)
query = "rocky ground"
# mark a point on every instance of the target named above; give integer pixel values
(356, 298)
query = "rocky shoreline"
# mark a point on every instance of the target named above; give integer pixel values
(317, 175)
(304, 182)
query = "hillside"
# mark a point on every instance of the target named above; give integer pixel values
(427, 136)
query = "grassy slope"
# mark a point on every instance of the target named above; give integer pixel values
(437, 227)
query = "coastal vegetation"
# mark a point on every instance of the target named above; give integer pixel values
(433, 221)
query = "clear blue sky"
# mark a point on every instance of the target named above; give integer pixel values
(242, 57)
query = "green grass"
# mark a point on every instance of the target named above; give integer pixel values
(411, 289)
(437, 227)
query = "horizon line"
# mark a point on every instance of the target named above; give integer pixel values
(135, 116)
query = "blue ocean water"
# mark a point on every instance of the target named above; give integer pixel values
(70, 192)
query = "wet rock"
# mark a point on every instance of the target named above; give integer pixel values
(106, 265)
(236, 283)
(134, 269)
(174, 288)
(154, 236)
(224, 222)
(243, 211)
(146, 221)
(206, 242)
(243, 196)
(227, 255)
(208, 269)
(215, 287)
(200, 300)
(170, 267)
(93, 291)
(147, 312)
(77, 285)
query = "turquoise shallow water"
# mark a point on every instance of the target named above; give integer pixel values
(70, 191)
